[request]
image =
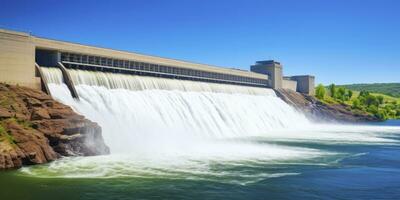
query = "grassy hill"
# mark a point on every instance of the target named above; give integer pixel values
(391, 89)
(376, 104)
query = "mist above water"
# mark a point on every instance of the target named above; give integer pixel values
(138, 112)
(155, 125)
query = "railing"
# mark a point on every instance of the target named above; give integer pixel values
(101, 63)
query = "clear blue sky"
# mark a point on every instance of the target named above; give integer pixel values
(349, 41)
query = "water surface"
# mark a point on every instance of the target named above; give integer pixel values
(175, 139)
(283, 168)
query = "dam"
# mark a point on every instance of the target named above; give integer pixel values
(23, 55)
(145, 102)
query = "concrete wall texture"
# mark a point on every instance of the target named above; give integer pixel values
(271, 68)
(305, 84)
(17, 59)
(289, 84)
(19, 51)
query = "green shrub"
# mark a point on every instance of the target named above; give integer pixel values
(320, 92)
(381, 114)
(373, 109)
(332, 90)
(350, 94)
(380, 99)
(357, 104)
(369, 100)
(341, 94)
(364, 93)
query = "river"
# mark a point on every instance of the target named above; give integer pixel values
(172, 139)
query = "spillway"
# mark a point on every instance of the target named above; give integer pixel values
(137, 108)
(177, 129)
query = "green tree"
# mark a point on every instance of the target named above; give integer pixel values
(320, 91)
(356, 104)
(363, 93)
(381, 114)
(373, 109)
(341, 94)
(380, 99)
(350, 93)
(332, 90)
(371, 100)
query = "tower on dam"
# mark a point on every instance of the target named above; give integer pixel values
(271, 68)
(22, 55)
(303, 84)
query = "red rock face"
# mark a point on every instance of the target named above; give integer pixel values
(36, 129)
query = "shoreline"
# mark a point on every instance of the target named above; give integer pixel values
(35, 129)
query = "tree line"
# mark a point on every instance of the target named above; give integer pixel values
(373, 104)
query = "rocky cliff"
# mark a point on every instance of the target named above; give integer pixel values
(36, 129)
(319, 111)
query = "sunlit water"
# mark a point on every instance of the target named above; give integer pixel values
(186, 140)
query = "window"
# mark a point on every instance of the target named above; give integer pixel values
(126, 64)
(162, 68)
(116, 63)
(103, 61)
(70, 57)
(156, 68)
(91, 59)
(63, 56)
(85, 59)
(146, 66)
(152, 67)
(76, 58)
(97, 60)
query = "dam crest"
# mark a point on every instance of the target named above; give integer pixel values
(22, 55)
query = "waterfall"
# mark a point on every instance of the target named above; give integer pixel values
(138, 110)
(180, 129)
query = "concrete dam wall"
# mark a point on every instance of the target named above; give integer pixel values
(22, 55)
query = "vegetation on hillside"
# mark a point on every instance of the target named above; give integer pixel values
(391, 89)
(380, 105)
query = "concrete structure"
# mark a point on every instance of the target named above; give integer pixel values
(17, 59)
(271, 68)
(289, 84)
(305, 84)
(20, 52)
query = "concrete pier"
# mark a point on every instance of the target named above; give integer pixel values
(68, 80)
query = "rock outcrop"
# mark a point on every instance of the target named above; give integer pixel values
(36, 129)
(319, 111)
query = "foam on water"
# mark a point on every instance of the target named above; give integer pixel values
(140, 112)
(208, 161)
(182, 129)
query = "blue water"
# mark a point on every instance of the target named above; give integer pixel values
(356, 171)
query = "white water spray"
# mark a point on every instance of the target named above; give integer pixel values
(149, 110)
(167, 126)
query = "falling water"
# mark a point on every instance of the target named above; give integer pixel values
(169, 127)
(136, 107)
